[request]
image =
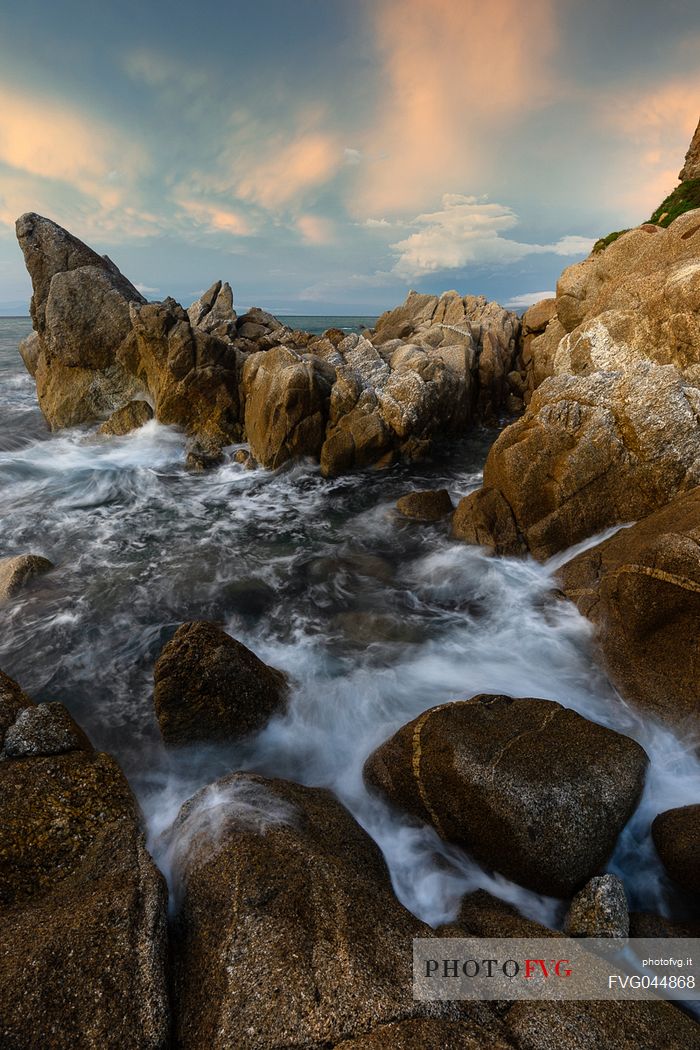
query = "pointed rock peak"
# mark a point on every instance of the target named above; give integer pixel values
(691, 168)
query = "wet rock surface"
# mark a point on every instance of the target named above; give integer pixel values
(599, 909)
(676, 835)
(82, 906)
(641, 588)
(431, 505)
(210, 687)
(529, 787)
(281, 889)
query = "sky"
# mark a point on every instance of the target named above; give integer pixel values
(325, 156)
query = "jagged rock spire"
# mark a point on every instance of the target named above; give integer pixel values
(691, 168)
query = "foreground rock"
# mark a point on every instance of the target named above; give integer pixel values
(431, 505)
(590, 452)
(18, 571)
(599, 910)
(530, 788)
(572, 1025)
(676, 835)
(82, 907)
(210, 687)
(641, 588)
(288, 931)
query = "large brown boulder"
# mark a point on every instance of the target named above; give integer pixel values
(210, 687)
(82, 907)
(530, 788)
(288, 931)
(641, 588)
(191, 375)
(80, 312)
(590, 452)
(13, 699)
(676, 835)
(286, 404)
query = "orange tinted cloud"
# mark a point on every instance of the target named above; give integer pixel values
(315, 229)
(453, 70)
(654, 127)
(217, 218)
(286, 173)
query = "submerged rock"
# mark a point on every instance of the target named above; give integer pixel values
(288, 932)
(641, 588)
(599, 910)
(17, 571)
(431, 505)
(530, 788)
(210, 687)
(676, 835)
(590, 452)
(82, 907)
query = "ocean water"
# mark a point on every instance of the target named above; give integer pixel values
(375, 619)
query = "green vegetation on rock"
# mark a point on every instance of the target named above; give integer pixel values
(685, 197)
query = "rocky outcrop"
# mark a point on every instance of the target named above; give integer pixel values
(389, 401)
(80, 312)
(484, 330)
(429, 505)
(676, 835)
(130, 417)
(286, 404)
(691, 168)
(210, 687)
(638, 300)
(13, 699)
(599, 910)
(641, 588)
(16, 572)
(191, 376)
(590, 452)
(214, 312)
(282, 890)
(82, 907)
(100, 352)
(534, 362)
(530, 788)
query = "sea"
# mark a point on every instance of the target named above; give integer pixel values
(373, 617)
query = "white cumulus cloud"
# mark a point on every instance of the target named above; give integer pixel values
(470, 230)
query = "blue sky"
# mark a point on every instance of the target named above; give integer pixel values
(325, 156)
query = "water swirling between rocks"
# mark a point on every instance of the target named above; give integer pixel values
(375, 618)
